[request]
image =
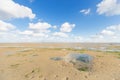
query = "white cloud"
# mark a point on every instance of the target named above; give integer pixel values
(30, 35)
(54, 27)
(36, 32)
(107, 32)
(40, 27)
(67, 27)
(9, 33)
(60, 34)
(64, 30)
(10, 9)
(40, 35)
(114, 27)
(86, 11)
(6, 26)
(109, 7)
(26, 32)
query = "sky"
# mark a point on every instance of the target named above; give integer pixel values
(60, 21)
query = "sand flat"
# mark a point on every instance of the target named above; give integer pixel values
(32, 62)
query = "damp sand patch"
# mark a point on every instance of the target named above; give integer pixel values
(56, 58)
(82, 62)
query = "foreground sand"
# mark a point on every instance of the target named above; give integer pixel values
(34, 63)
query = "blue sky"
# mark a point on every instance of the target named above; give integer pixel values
(60, 21)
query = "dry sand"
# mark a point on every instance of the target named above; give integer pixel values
(31, 62)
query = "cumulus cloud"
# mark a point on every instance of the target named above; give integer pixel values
(114, 27)
(85, 11)
(40, 27)
(43, 30)
(6, 26)
(26, 32)
(36, 32)
(67, 27)
(40, 31)
(40, 35)
(32, 34)
(64, 30)
(109, 34)
(60, 34)
(109, 7)
(55, 27)
(9, 9)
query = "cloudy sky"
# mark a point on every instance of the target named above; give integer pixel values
(59, 21)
